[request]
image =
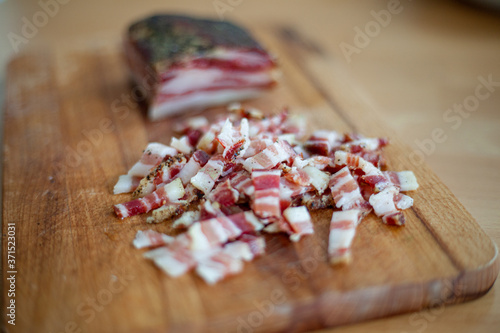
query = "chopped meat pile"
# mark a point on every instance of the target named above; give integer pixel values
(185, 63)
(228, 181)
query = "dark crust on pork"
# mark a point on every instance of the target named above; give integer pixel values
(162, 40)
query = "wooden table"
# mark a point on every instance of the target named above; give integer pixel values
(426, 58)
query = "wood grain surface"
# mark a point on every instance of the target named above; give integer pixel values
(72, 126)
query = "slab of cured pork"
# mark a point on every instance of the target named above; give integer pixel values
(184, 63)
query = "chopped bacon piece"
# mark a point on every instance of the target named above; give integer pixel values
(403, 201)
(364, 144)
(266, 199)
(342, 231)
(278, 226)
(207, 176)
(186, 219)
(300, 222)
(192, 123)
(384, 206)
(373, 176)
(280, 151)
(246, 221)
(345, 190)
(322, 142)
(256, 146)
(224, 262)
(151, 157)
(213, 232)
(224, 194)
(318, 162)
(183, 144)
(207, 142)
(126, 184)
(319, 179)
(165, 194)
(207, 234)
(234, 141)
(257, 244)
(403, 180)
(298, 176)
(151, 238)
(162, 174)
(175, 259)
(242, 182)
(316, 201)
(195, 163)
(167, 211)
(245, 112)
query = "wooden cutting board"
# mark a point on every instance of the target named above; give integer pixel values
(72, 126)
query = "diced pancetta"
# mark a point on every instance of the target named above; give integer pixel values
(186, 219)
(153, 154)
(345, 190)
(151, 238)
(403, 180)
(253, 176)
(224, 194)
(257, 243)
(167, 211)
(234, 141)
(163, 195)
(126, 184)
(300, 222)
(183, 144)
(342, 231)
(266, 197)
(160, 175)
(318, 178)
(206, 177)
(373, 176)
(322, 142)
(313, 200)
(226, 261)
(195, 163)
(175, 261)
(384, 206)
(279, 151)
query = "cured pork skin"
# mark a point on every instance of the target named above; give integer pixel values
(185, 63)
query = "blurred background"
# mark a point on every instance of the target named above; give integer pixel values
(421, 61)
